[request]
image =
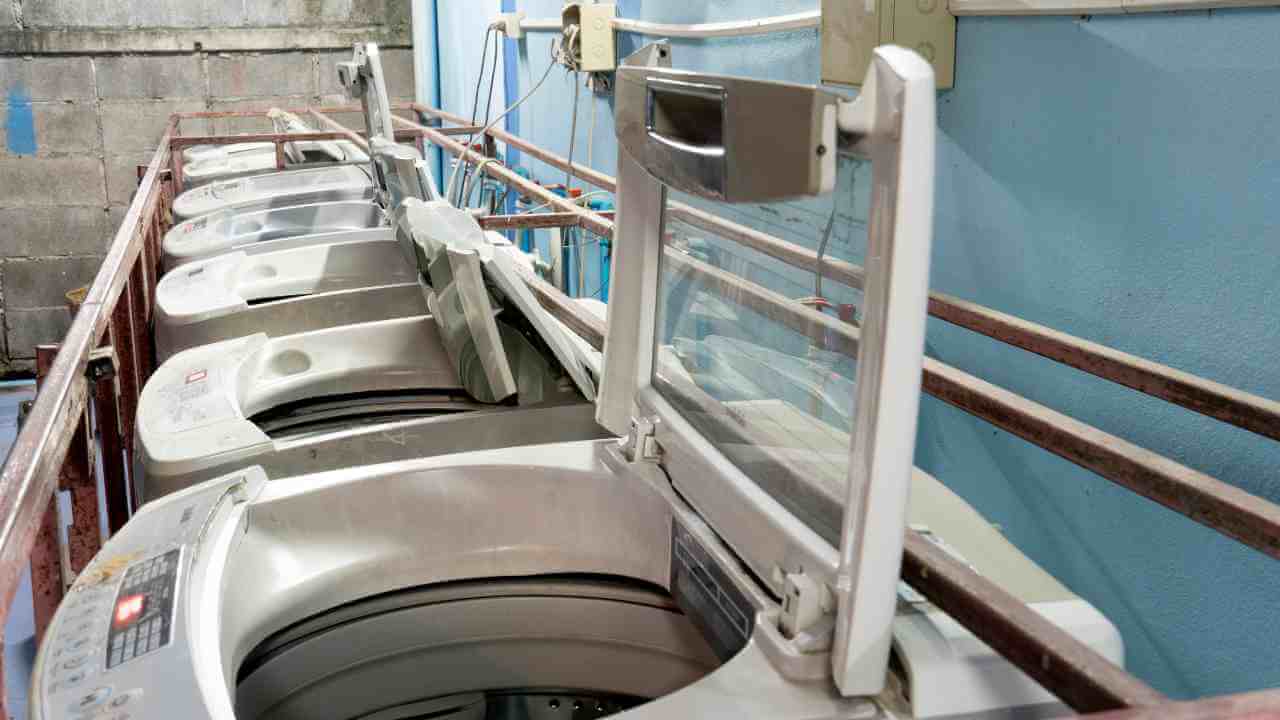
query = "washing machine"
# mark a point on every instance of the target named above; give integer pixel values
(278, 189)
(279, 292)
(363, 79)
(206, 163)
(312, 282)
(290, 226)
(483, 366)
(399, 172)
(722, 557)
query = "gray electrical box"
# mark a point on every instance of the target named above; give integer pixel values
(851, 29)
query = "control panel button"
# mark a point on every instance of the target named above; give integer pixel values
(74, 662)
(77, 644)
(124, 699)
(91, 699)
(72, 680)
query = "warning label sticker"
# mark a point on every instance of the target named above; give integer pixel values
(195, 401)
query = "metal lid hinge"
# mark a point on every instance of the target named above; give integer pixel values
(641, 444)
(808, 608)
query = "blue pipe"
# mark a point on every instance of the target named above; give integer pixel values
(435, 89)
(511, 91)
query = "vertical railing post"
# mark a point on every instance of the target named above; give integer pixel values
(46, 555)
(106, 415)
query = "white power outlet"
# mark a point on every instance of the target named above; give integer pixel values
(851, 29)
(598, 54)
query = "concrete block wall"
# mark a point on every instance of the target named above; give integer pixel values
(74, 126)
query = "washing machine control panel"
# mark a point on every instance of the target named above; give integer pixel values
(117, 648)
(142, 617)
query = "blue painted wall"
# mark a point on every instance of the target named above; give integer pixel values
(1117, 178)
(19, 123)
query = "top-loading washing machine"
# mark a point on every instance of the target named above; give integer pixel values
(394, 172)
(300, 283)
(206, 163)
(481, 365)
(726, 558)
(328, 183)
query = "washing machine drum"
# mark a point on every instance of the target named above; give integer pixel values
(559, 647)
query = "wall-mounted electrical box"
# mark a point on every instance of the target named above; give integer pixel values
(851, 29)
(593, 45)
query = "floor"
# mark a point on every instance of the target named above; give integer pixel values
(19, 632)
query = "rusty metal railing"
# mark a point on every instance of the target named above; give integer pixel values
(89, 391)
(1080, 677)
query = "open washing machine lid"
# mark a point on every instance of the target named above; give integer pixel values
(480, 302)
(735, 430)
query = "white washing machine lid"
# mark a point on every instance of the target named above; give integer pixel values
(196, 410)
(331, 183)
(802, 466)
(271, 229)
(230, 282)
(476, 293)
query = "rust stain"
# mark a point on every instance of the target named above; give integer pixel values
(108, 569)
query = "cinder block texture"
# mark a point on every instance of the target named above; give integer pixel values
(397, 67)
(122, 176)
(232, 125)
(52, 181)
(24, 329)
(88, 117)
(60, 128)
(48, 78)
(262, 74)
(136, 125)
(118, 14)
(44, 282)
(37, 231)
(150, 76)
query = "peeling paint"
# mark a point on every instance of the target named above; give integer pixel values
(19, 123)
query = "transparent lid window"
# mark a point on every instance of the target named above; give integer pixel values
(756, 353)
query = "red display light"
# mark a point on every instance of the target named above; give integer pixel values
(129, 608)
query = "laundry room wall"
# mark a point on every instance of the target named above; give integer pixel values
(87, 87)
(1117, 178)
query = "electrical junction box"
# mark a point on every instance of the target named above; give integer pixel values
(851, 29)
(595, 34)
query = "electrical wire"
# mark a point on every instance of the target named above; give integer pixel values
(578, 199)
(453, 177)
(591, 127)
(475, 103)
(573, 133)
(822, 251)
(474, 180)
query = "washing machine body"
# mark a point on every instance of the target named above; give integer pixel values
(732, 553)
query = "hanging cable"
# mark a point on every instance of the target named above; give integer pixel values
(591, 125)
(475, 103)
(453, 177)
(573, 134)
(475, 179)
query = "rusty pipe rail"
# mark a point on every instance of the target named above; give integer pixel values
(119, 304)
(1221, 506)
(1076, 674)
(57, 421)
(1213, 399)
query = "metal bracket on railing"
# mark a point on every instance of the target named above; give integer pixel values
(102, 364)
